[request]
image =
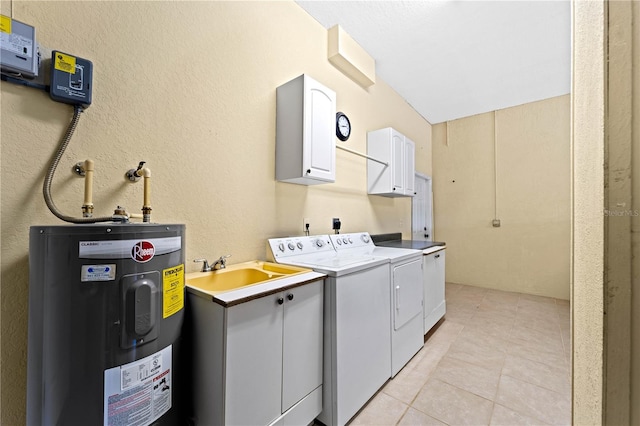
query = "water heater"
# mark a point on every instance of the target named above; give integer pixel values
(106, 308)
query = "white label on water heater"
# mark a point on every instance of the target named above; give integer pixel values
(98, 273)
(125, 249)
(139, 392)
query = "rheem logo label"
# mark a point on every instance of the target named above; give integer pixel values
(143, 251)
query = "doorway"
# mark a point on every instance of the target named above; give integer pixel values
(422, 209)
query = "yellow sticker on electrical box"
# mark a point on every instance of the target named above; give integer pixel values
(5, 24)
(65, 63)
(172, 290)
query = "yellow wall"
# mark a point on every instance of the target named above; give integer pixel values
(606, 202)
(189, 88)
(529, 253)
(635, 224)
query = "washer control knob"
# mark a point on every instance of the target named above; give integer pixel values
(291, 246)
(339, 241)
(364, 238)
(350, 240)
(281, 247)
(344, 240)
(299, 244)
(319, 243)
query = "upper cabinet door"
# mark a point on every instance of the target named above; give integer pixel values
(395, 179)
(305, 132)
(319, 149)
(397, 158)
(409, 167)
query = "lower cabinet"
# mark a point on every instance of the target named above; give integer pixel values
(259, 362)
(434, 279)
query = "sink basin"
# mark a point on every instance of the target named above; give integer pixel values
(239, 275)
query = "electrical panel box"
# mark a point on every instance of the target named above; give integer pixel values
(18, 48)
(71, 79)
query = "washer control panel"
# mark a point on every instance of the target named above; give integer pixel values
(347, 241)
(295, 246)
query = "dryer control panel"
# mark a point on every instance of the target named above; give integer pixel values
(278, 248)
(354, 240)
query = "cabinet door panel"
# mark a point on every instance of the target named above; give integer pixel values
(319, 130)
(434, 292)
(302, 346)
(430, 283)
(409, 167)
(254, 362)
(440, 277)
(397, 154)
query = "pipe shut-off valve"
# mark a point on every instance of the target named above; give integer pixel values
(134, 175)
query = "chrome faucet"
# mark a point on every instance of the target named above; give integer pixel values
(218, 264)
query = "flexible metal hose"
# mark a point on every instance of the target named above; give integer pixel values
(46, 188)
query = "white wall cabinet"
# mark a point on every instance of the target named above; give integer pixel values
(434, 292)
(305, 132)
(259, 362)
(397, 178)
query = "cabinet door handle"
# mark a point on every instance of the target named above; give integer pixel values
(280, 300)
(290, 296)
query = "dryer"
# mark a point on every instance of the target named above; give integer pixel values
(406, 293)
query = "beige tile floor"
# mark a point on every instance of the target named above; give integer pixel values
(498, 358)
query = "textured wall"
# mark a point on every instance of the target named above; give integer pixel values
(189, 88)
(588, 106)
(635, 236)
(529, 253)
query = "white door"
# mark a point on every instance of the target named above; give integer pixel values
(319, 139)
(421, 209)
(438, 291)
(408, 290)
(397, 160)
(254, 362)
(302, 342)
(409, 167)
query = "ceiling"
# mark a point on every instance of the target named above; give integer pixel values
(452, 59)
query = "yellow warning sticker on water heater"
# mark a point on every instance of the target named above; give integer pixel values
(5, 24)
(172, 290)
(66, 63)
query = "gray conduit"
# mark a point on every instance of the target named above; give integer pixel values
(46, 188)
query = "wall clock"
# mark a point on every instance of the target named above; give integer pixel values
(343, 126)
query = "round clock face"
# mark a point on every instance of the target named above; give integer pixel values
(343, 127)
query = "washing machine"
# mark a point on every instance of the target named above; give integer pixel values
(357, 337)
(406, 292)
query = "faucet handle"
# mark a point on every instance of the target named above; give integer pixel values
(223, 260)
(205, 265)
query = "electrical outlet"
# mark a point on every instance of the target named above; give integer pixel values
(305, 224)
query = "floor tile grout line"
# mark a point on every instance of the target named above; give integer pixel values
(464, 323)
(500, 380)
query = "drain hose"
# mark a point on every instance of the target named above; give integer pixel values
(46, 188)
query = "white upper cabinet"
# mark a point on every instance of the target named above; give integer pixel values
(305, 132)
(397, 178)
